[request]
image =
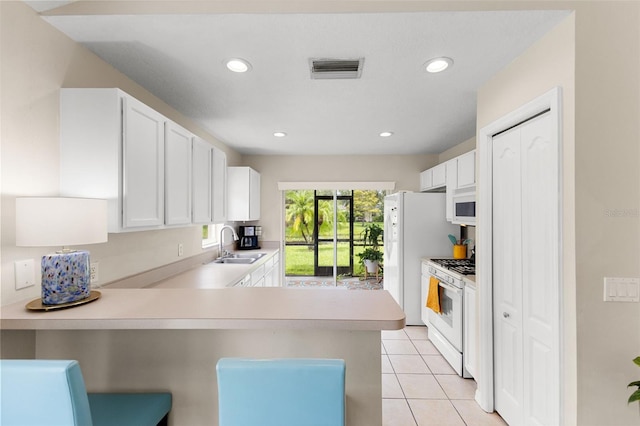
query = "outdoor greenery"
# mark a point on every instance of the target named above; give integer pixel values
(299, 231)
(371, 236)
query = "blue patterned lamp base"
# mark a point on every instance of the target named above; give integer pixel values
(66, 277)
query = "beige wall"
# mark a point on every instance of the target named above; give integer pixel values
(600, 157)
(601, 163)
(547, 64)
(37, 60)
(402, 169)
(607, 176)
(461, 148)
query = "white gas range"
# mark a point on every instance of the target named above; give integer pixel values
(446, 329)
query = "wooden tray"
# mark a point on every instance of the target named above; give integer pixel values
(37, 305)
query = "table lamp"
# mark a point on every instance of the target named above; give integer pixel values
(57, 221)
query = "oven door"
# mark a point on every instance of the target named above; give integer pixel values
(449, 321)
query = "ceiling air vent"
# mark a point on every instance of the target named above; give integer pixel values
(336, 68)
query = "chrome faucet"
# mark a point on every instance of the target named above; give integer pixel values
(221, 251)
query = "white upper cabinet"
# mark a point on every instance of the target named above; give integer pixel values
(433, 178)
(143, 165)
(439, 178)
(202, 181)
(220, 200)
(244, 193)
(426, 179)
(209, 183)
(177, 168)
(452, 185)
(466, 176)
(152, 172)
(112, 147)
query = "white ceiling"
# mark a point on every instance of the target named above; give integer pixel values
(180, 59)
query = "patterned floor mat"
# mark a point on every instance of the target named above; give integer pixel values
(348, 283)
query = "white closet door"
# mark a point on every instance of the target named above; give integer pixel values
(507, 276)
(540, 279)
(526, 279)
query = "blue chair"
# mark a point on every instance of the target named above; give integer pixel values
(281, 392)
(52, 392)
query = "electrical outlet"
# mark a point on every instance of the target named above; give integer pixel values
(94, 272)
(25, 275)
(180, 249)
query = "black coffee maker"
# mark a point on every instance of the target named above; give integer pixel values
(248, 237)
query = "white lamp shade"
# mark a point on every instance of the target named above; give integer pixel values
(56, 221)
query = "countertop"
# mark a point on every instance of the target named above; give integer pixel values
(200, 298)
(227, 308)
(213, 275)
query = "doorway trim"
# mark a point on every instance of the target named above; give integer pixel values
(551, 100)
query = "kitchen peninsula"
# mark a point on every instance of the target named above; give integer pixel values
(170, 339)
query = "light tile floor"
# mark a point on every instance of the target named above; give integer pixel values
(419, 387)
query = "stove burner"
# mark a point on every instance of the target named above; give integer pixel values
(461, 266)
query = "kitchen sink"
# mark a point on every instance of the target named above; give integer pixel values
(245, 256)
(240, 258)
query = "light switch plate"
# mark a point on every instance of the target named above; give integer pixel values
(621, 289)
(25, 274)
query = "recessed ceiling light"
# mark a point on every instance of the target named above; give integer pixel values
(386, 134)
(238, 65)
(438, 64)
(279, 134)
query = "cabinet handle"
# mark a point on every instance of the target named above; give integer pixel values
(506, 315)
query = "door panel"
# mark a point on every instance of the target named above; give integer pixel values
(526, 273)
(507, 267)
(324, 238)
(540, 270)
(143, 165)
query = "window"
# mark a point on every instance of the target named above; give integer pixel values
(210, 234)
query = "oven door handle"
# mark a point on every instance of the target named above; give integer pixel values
(449, 287)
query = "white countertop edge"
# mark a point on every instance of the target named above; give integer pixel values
(203, 324)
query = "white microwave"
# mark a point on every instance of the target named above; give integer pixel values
(464, 208)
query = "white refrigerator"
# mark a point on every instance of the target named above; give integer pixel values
(414, 227)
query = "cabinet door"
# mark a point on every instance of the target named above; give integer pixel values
(452, 184)
(275, 274)
(469, 342)
(202, 181)
(467, 169)
(254, 195)
(426, 180)
(439, 175)
(424, 292)
(177, 168)
(143, 165)
(219, 207)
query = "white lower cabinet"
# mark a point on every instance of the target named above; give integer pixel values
(266, 274)
(469, 342)
(272, 272)
(424, 292)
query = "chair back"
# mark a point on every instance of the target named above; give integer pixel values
(281, 392)
(43, 392)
